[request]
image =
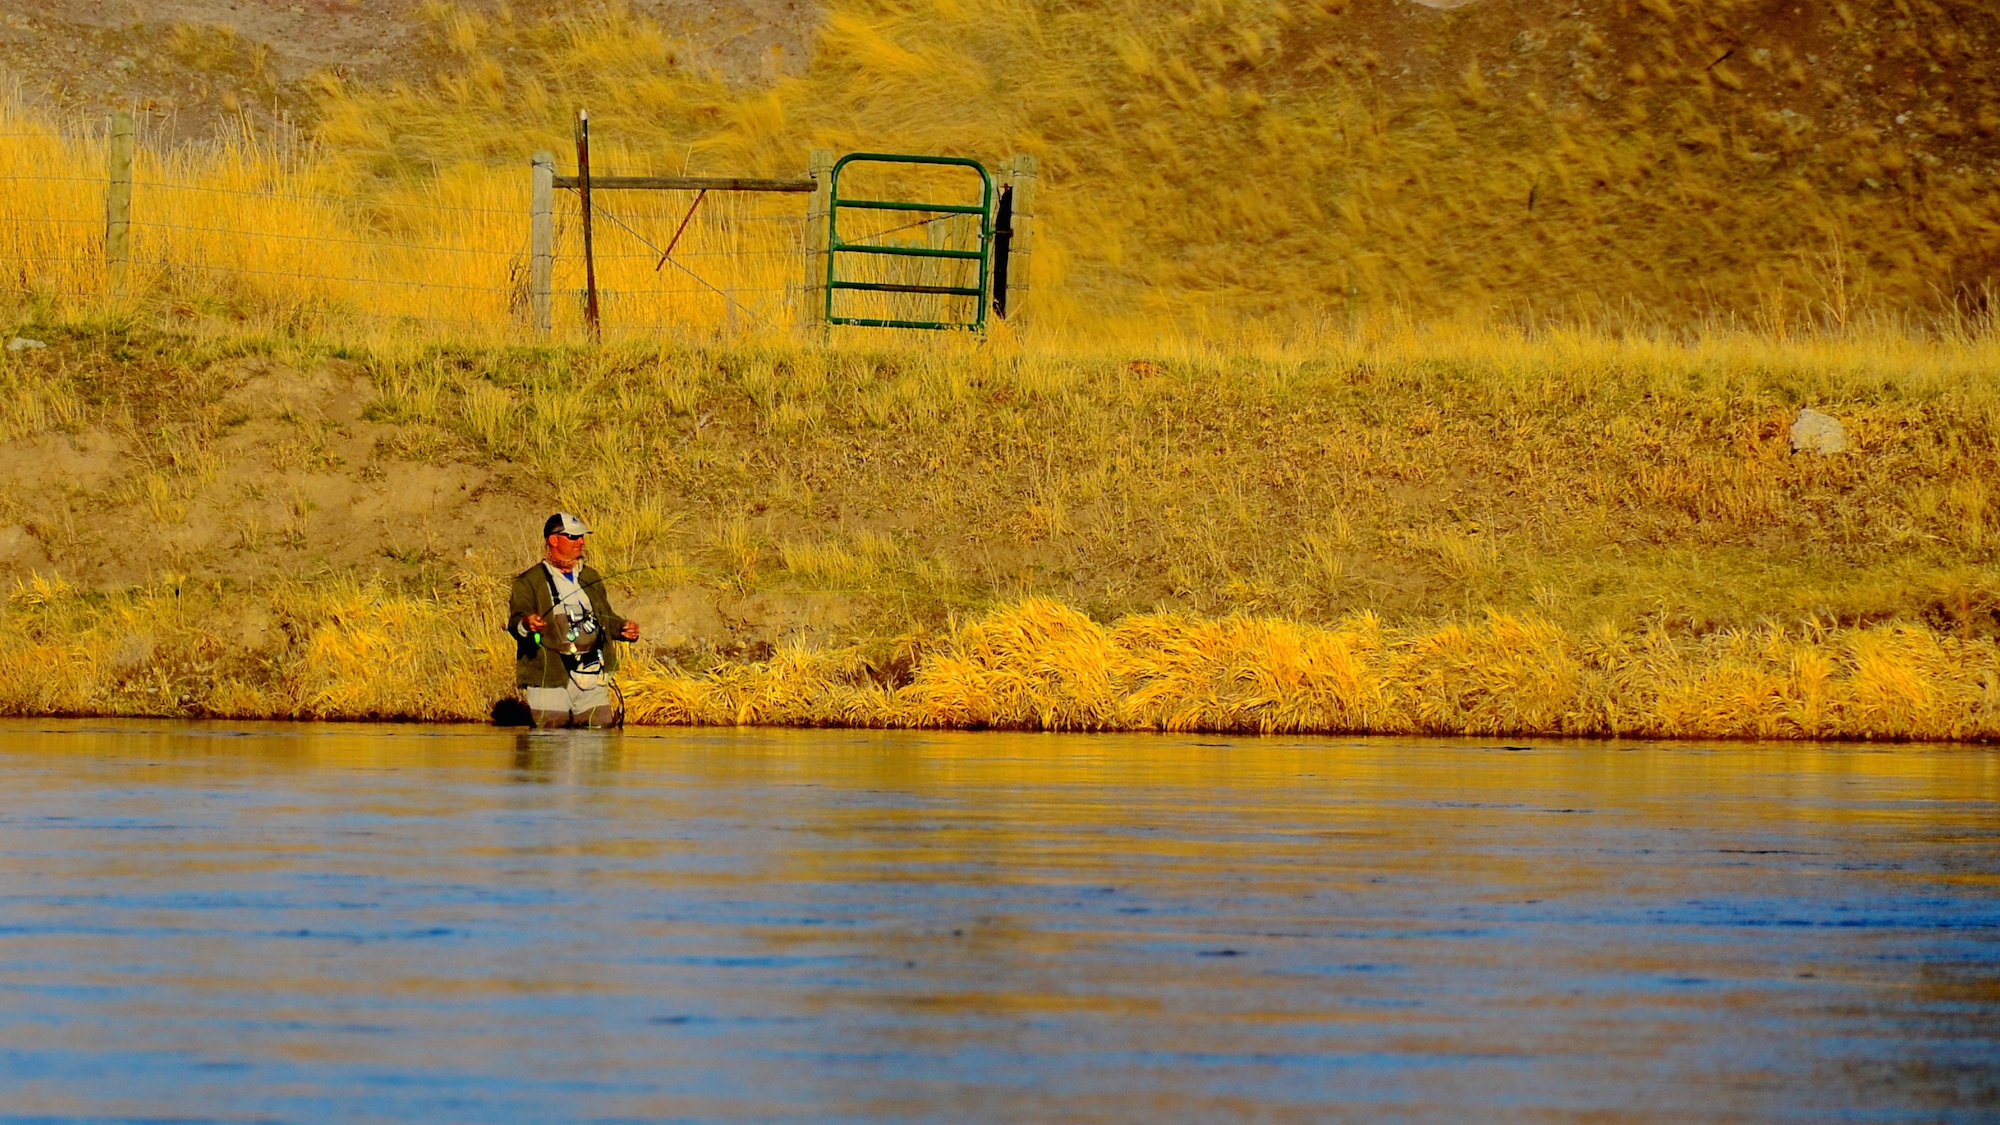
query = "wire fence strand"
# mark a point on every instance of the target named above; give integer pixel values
(331, 201)
(393, 262)
(99, 181)
(352, 279)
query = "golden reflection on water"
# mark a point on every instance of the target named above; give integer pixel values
(821, 925)
(1620, 768)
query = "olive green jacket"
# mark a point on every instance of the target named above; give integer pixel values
(534, 665)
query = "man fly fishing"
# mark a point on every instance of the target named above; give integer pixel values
(562, 625)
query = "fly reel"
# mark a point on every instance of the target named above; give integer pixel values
(571, 638)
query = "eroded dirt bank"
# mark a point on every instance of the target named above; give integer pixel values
(252, 470)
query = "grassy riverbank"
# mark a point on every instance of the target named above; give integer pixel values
(1316, 518)
(1397, 532)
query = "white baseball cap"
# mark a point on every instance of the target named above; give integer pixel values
(566, 524)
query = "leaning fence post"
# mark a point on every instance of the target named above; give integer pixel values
(542, 242)
(1022, 174)
(820, 164)
(118, 203)
(589, 255)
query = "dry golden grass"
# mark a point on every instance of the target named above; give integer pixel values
(1330, 159)
(1228, 158)
(247, 235)
(1042, 666)
(182, 647)
(362, 652)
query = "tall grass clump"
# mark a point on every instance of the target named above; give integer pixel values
(361, 652)
(342, 649)
(1042, 666)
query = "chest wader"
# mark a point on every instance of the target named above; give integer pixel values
(580, 643)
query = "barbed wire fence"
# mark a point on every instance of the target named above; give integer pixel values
(736, 268)
(242, 237)
(673, 252)
(446, 265)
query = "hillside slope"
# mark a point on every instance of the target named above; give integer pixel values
(1640, 162)
(197, 68)
(1632, 163)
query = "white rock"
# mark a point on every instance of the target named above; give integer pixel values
(1818, 433)
(22, 344)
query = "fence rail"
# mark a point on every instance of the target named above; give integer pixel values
(685, 183)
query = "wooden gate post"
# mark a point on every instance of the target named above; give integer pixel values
(1022, 172)
(542, 243)
(589, 255)
(118, 204)
(820, 163)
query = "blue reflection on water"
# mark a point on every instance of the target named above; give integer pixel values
(365, 923)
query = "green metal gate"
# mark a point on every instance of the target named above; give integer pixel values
(835, 247)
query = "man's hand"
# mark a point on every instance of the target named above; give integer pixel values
(534, 622)
(630, 632)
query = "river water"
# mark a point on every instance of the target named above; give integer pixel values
(263, 922)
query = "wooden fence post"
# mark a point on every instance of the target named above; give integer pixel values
(589, 256)
(1022, 172)
(820, 163)
(542, 243)
(118, 203)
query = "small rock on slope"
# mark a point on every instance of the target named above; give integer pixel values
(1818, 433)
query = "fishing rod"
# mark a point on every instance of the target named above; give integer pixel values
(603, 578)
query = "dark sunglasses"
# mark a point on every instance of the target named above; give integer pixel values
(571, 538)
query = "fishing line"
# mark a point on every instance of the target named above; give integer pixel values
(603, 578)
